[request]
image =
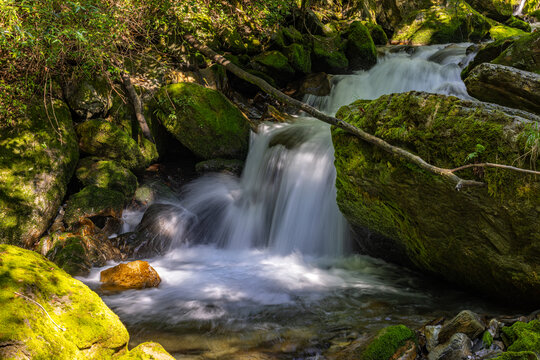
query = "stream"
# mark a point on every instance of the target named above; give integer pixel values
(262, 266)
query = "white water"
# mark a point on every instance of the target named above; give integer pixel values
(273, 239)
(519, 9)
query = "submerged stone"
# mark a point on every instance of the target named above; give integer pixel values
(487, 238)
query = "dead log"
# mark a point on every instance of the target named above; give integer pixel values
(136, 105)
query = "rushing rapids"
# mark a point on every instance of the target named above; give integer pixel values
(263, 259)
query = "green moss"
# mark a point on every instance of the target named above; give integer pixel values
(489, 247)
(487, 53)
(86, 319)
(299, 58)
(487, 339)
(106, 140)
(514, 22)
(535, 14)
(523, 54)
(500, 32)
(512, 355)
(203, 120)
(377, 33)
(275, 61)
(456, 22)
(387, 341)
(287, 36)
(93, 201)
(69, 253)
(37, 160)
(361, 51)
(522, 336)
(107, 174)
(328, 55)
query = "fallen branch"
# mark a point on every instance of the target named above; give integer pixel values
(278, 95)
(42, 308)
(507, 167)
(136, 105)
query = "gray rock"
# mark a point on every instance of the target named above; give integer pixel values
(506, 86)
(316, 84)
(457, 348)
(432, 336)
(89, 99)
(466, 322)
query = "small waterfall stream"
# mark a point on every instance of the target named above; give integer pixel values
(519, 9)
(262, 260)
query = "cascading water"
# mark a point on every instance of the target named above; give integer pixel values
(519, 9)
(260, 258)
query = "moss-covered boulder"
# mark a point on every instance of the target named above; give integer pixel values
(387, 342)
(524, 54)
(499, 10)
(89, 98)
(299, 57)
(486, 53)
(487, 238)
(518, 24)
(76, 325)
(506, 86)
(328, 55)
(377, 33)
(93, 201)
(37, 160)
(106, 174)
(360, 50)
(287, 36)
(203, 120)
(522, 336)
(276, 65)
(104, 139)
(457, 22)
(500, 32)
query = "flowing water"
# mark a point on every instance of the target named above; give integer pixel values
(519, 9)
(261, 266)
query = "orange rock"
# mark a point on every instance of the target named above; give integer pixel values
(133, 275)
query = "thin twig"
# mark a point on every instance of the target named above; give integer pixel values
(485, 165)
(42, 308)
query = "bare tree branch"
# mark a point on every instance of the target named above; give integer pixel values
(507, 167)
(394, 150)
(136, 105)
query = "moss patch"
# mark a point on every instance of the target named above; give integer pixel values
(522, 336)
(86, 319)
(93, 201)
(524, 54)
(299, 58)
(360, 50)
(387, 342)
(107, 174)
(328, 55)
(203, 120)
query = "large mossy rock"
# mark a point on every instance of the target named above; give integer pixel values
(486, 53)
(456, 22)
(93, 201)
(299, 58)
(89, 98)
(487, 238)
(506, 86)
(37, 160)
(106, 174)
(499, 10)
(522, 336)
(274, 64)
(104, 139)
(90, 329)
(524, 54)
(360, 51)
(203, 120)
(328, 55)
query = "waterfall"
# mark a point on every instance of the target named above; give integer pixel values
(267, 250)
(520, 8)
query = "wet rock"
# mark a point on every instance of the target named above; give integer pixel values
(162, 226)
(387, 343)
(360, 49)
(487, 53)
(93, 202)
(449, 51)
(89, 98)
(133, 275)
(432, 336)
(106, 174)
(203, 120)
(466, 322)
(457, 348)
(506, 86)
(82, 326)
(478, 241)
(230, 166)
(36, 164)
(104, 139)
(152, 191)
(317, 84)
